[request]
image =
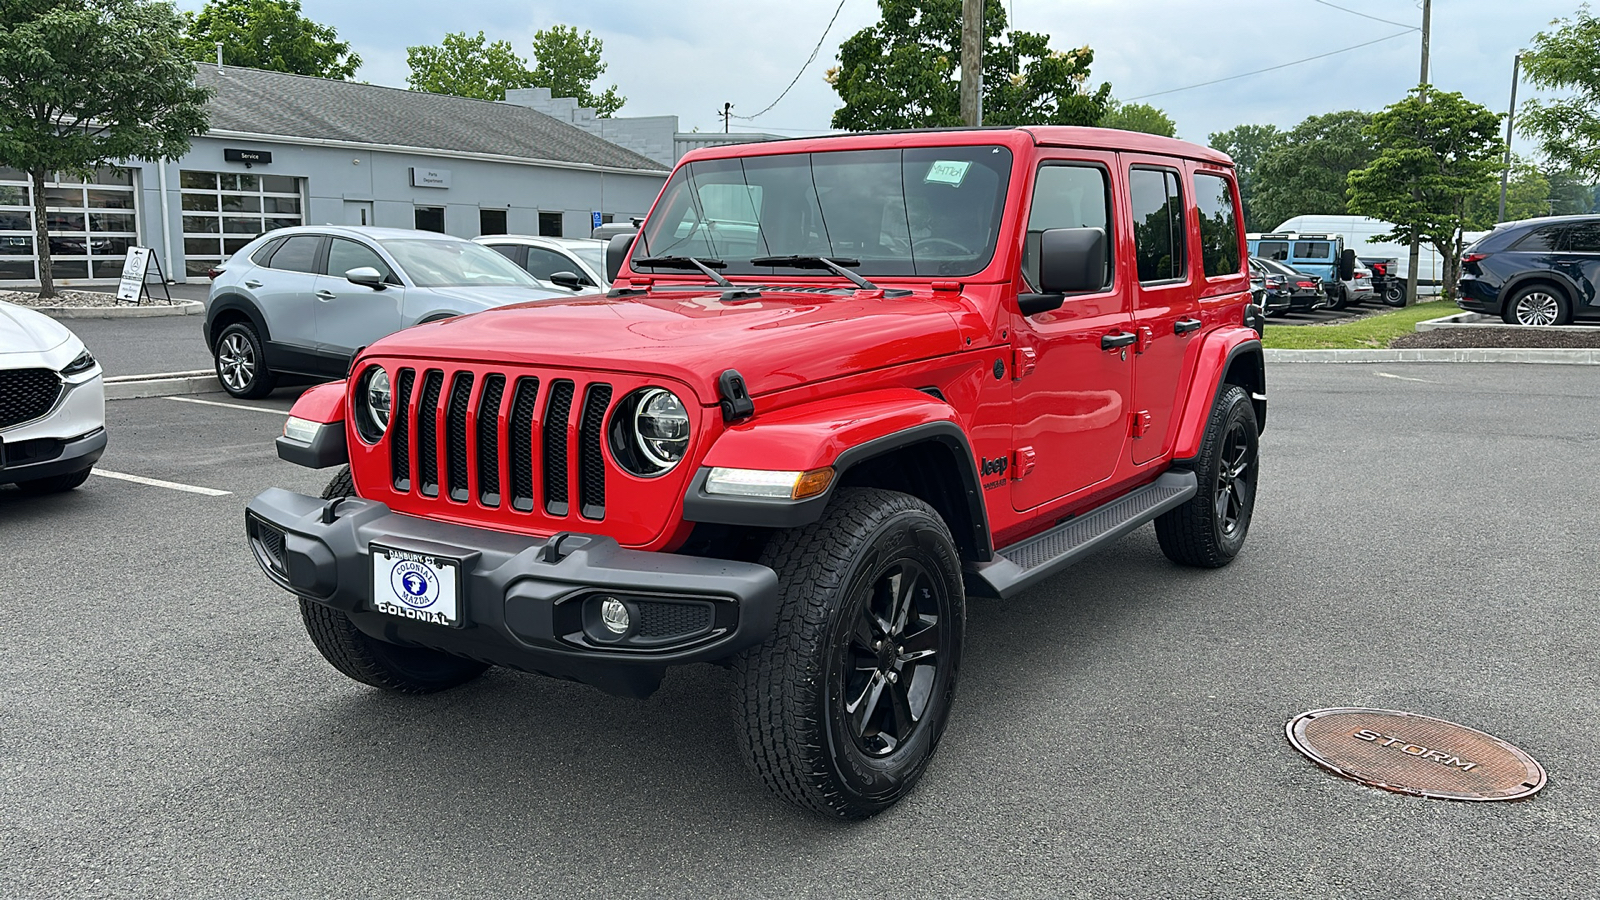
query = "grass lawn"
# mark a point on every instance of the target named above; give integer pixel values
(1372, 332)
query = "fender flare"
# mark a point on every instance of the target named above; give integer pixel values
(234, 303)
(843, 433)
(329, 443)
(1223, 348)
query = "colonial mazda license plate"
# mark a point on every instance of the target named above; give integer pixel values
(417, 586)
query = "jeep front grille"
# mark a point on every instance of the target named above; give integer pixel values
(490, 436)
(27, 394)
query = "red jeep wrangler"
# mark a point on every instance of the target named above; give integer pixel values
(838, 386)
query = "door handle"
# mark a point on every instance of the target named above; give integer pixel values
(326, 295)
(252, 283)
(1184, 326)
(1117, 339)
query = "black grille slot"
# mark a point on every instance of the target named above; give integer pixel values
(400, 431)
(666, 620)
(489, 439)
(455, 436)
(592, 459)
(27, 394)
(428, 433)
(269, 547)
(557, 413)
(520, 427)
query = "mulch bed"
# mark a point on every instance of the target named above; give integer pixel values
(62, 298)
(1509, 336)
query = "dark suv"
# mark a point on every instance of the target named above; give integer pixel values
(1535, 272)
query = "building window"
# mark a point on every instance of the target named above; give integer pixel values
(223, 211)
(550, 224)
(430, 218)
(91, 223)
(491, 221)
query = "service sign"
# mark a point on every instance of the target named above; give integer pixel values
(431, 178)
(133, 275)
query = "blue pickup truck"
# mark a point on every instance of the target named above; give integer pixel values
(1323, 255)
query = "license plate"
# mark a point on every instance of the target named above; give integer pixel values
(417, 586)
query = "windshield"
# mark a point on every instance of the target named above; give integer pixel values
(914, 211)
(456, 264)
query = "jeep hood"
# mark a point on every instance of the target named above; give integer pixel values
(779, 340)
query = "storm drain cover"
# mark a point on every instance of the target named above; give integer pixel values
(1412, 754)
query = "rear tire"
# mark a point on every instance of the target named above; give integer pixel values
(392, 667)
(843, 705)
(1538, 305)
(241, 365)
(1209, 530)
(55, 484)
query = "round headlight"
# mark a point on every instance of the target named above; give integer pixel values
(661, 426)
(372, 402)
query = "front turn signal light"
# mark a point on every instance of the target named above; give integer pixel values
(776, 485)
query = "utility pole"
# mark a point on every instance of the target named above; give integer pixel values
(972, 63)
(1511, 116)
(727, 116)
(1416, 248)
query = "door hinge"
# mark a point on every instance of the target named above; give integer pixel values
(1023, 362)
(1025, 461)
(1146, 336)
(1139, 423)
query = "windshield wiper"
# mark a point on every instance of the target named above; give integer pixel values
(836, 265)
(688, 262)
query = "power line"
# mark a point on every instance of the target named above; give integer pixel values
(1365, 16)
(1275, 68)
(809, 60)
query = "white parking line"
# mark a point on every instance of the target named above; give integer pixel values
(261, 409)
(169, 485)
(1404, 378)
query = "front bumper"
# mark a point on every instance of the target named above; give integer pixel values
(525, 601)
(47, 457)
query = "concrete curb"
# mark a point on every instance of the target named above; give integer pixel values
(1586, 357)
(177, 308)
(1479, 321)
(163, 384)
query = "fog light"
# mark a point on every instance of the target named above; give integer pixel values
(614, 615)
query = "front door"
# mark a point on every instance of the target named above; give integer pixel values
(351, 316)
(1166, 300)
(1069, 392)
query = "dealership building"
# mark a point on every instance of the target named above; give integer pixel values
(291, 150)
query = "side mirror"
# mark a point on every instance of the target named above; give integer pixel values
(366, 276)
(1071, 261)
(1347, 265)
(572, 281)
(617, 253)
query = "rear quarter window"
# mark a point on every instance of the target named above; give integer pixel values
(1540, 240)
(1219, 225)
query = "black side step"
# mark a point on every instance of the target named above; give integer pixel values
(1031, 560)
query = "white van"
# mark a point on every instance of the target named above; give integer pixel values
(1359, 233)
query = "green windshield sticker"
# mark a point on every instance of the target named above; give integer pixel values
(948, 171)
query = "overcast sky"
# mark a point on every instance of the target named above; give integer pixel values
(688, 57)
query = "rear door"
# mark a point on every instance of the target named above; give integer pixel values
(1579, 260)
(285, 289)
(351, 316)
(1166, 296)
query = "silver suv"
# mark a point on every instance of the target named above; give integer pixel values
(302, 301)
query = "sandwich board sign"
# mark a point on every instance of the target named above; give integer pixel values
(135, 272)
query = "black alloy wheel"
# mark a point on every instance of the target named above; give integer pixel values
(884, 684)
(1235, 490)
(1210, 528)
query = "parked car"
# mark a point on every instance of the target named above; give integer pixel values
(1535, 272)
(1389, 287)
(794, 446)
(1272, 293)
(1322, 255)
(1360, 288)
(304, 300)
(566, 264)
(52, 404)
(1302, 292)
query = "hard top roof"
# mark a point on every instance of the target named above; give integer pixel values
(1109, 139)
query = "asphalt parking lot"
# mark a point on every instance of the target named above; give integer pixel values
(1424, 541)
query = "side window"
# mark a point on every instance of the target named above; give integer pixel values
(1313, 250)
(509, 251)
(297, 254)
(260, 257)
(543, 263)
(1219, 225)
(1159, 237)
(1584, 238)
(1278, 250)
(1066, 196)
(345, 255)
(1541, 240)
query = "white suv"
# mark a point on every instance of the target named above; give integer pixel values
(52, 404)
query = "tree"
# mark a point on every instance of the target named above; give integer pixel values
(1247, 144)
(1566, 59)
(269, 34)
(1570, 195)
(904, 72)
(569, 64)
(1139, 117)
(86, 82)
(1306, 173)
(1438, 149)
(1527, 197)
(467, 67)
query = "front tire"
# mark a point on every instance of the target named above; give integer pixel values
(844, 704)
(392, 667)
(1209, 530)
(1538, 305)
(241, 365)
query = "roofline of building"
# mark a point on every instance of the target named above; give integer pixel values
(433, 151)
